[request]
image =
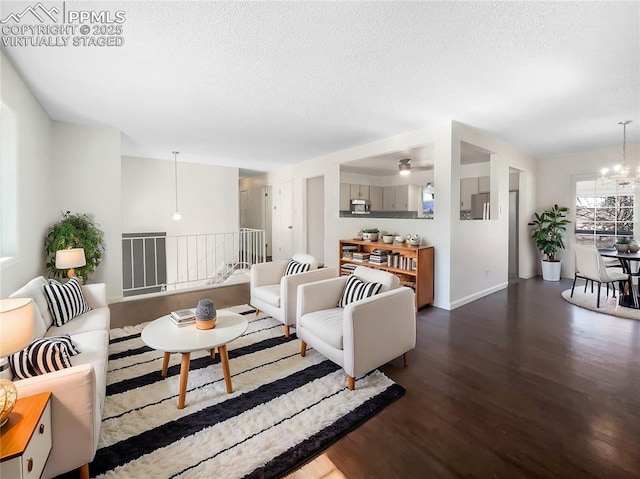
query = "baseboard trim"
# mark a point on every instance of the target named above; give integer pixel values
(478, 295)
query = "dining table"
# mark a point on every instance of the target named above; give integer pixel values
(629, 297)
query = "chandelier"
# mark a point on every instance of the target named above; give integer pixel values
(622, 174)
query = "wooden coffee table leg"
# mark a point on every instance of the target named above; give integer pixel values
(184, 377)
(224, 359)
(165, 364)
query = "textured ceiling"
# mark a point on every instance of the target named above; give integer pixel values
(261, 84)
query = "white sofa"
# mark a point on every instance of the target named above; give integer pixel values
(364, 334)
(78, 392)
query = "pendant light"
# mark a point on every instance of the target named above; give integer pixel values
(176, 214)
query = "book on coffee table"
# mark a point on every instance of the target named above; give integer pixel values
(184, 322)
(183, 315)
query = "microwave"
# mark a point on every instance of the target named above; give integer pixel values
(360, 207)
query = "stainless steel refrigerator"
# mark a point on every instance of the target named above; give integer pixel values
(480, 206)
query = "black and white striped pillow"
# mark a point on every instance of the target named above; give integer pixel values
(43, 355)
(65, 339)
(295, 267)
(66, 301)
(355, 289)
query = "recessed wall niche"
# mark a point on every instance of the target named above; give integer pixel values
(398, 184)
(475, 182)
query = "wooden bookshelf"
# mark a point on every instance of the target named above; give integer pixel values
(415, 271)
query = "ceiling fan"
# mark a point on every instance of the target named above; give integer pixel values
(405, 168)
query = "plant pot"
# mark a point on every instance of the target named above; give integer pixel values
(634, 248)
(370, 236)
(551, 270)
(205, 323)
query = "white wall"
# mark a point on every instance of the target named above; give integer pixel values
(207, 197)
(34, 186)
(61, 167)
(87, 178)
(314, 218)
(434, 232)
(479, 260)
(464, 250)
(557, 178)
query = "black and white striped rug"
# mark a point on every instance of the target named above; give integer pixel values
(284, 410)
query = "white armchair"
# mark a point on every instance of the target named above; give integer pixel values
(275, 294)
(364, 334)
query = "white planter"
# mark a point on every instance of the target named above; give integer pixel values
(551, 270)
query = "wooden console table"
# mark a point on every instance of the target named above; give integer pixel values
(414, 264)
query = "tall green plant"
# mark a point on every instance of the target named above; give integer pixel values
(74, 231)
(547, 229)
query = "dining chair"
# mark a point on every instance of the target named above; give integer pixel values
(590, 267)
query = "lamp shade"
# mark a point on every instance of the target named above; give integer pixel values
(16, 324)
(70, 258)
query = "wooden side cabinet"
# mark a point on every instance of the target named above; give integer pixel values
(412, 264)
(26, 438)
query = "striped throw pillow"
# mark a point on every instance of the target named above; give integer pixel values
(66, 301)
(43, 355)
(295, 267)
(355, 289)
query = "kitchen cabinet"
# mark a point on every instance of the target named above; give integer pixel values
(345, 196)
(360, 192)
(413, 265)
(375, 195)
(402, 198)
(468, 187)
(388, 198)
(484, 184)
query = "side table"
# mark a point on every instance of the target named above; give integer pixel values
(26, 438)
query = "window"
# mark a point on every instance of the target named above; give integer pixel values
(603, 213)
(428, 201)
(8, 175)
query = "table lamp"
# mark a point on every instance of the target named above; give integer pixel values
(69, 259)
(16, 332)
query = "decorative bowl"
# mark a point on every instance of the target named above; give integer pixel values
(634, 248)
(388, 239)
(399, 239)
(622, 248)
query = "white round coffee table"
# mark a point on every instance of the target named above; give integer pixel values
(163, 335)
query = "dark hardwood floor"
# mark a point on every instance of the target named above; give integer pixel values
(520, 384)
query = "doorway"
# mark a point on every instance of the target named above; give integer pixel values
(267, 219)
(513, 237)
(284, 215)
(315, 217)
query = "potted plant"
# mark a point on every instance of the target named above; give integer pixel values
(370, 234)
(74, 231)
(547, 229)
